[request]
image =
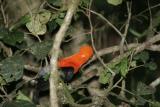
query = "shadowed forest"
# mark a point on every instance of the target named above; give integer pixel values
(79, 53)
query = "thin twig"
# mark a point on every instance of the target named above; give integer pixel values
(92, 41)
(150, 28)
(132, 93)
(52, 7)
(126, 28)
(113, 86)
(150, 15)
(3, 14)
(120, 97)
(123, 86)
(106, 20)
(5, 93)
(125, 90)
(146, 10)
(129, 7)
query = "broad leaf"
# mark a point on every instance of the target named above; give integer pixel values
(25, 19)
(59, 21)
(155, 104)
(11, 37)
(23, 97)
(84, 3)
(2, 81)
(37, 23)
(115, 2)
(156, 19)
(41, 49)
(105, 77)
(140, 101)
(55, 2)
(124, 67)
(12, 68)
(44, 16)
(52, 25)
(151, 66)
(18, 103)
(133, 64)
(8, 104)
(143, 89)
(4, 32)
(143, 56)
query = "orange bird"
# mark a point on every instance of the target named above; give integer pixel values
(76, 60)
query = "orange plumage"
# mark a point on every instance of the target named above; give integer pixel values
(78, 59)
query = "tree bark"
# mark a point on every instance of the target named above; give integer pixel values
(54, 76)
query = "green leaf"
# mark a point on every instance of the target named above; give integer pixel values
(155, 104)
(9, 104)
(4, 32)
(151, 66)
(59, 21)
(2, 81)
(23, 97)
(37, 23)
(156, 19)
(54, 16)
(115, 2)
(124, 67)
(18, 103)
(143, 56)
(52, 25)
(12, 68)
(55, 2)
(57, 18)
(23, 20)
(22, 103)
(140, 101)
(46, 76)
(35, 27)
(11, 37)
(84, 3)
(41, 49)
(143, 89)
(62, 15)
(105, 77)
(133, 64)
(45, 16)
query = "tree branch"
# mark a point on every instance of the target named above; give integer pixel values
(55, 52)
(114, 49)
(155, 83)
(136, 50)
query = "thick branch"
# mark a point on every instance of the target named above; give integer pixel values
(114, 49)
(55, 52)
(136, 50)
(155, 83)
